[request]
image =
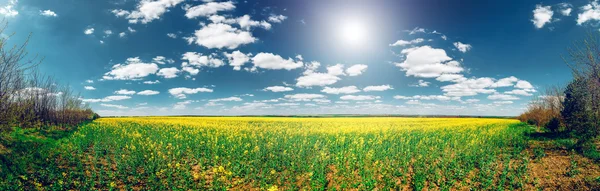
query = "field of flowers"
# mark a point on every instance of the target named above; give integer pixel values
(261, 153)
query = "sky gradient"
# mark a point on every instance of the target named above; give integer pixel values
(191, 57)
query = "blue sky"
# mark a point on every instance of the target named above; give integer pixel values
(173, 57)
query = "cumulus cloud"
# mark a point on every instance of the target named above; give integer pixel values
(124, 92)
(237, 59)
(542, 15)
(342, 90)
(377, 88)
(404, 42)
(274, 62)
(199, 60)
(113, 106)
(151, 82)
(336, 70)
(523, 92)
(470, 87)
(450, 78)
(89, 88)
(427, 62)
(107, 99)
(304, 97)
(498, 96)
(132, 69)
(522, 84)
(181, 93)
(589, 12)
(48, 13)
(506, 82)
(277, 18)
(147, 10)
(182, 104)
(162, 60)
(207, 9)
(359, 97)
(278, 89)
(148, 92)
(8, 10)
(226, 99)
(462, 47)
(168, 72)
(316, 79)
(565, 9)
(88, 31)
(422, 83)
(356, 70)
(220, 35)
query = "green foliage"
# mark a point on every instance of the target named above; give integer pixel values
(553, 125)
(578, 112)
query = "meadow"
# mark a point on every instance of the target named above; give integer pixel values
(261, 153)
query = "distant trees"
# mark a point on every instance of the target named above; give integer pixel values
(30, 99)
(577, 107)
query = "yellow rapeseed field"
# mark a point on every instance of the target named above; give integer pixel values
(276, 153)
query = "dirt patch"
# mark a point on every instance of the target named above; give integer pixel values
(563, 170)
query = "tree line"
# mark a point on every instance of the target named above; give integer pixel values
(574, 109)
(29, 99)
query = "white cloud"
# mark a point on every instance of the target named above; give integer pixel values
(359, 97)
(171, 35)
(199, 60)
(462, 47)
(9, 9)
(316, 79)
(148, 92)
(506, 82)
(503, 102)
(469, 87)
(226, 99)
(113, 106)
(247, 23)
(356, 70)
(427, 62)
(107, 99)
(542, 15)
(133, 69)
(108, 33)
(151, 82)
(147, 10)
(237, 59)
(523, 92)
(565, 9)
(89, 81)
(180, 93)
(304, 97)
(274, 62)
(124, 92)
(162, 60)
(182, 104)
(426, 97)
(451, 78)
(278, 89)
(219, 35)
(377, 88)
(416, 30)
(48, 13)
(209, 8)
(277, 18)
(168, 72)
(342, 90)
(89, 88)
(88, 31)
(190, 70)
(422, 83)
(590, 12)
(522, 84)
(404, 42)
(122, 34)
(336, 70)
(497, 96)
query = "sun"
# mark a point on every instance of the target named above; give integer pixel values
(353, 32)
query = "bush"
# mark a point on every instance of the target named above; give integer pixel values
(553, 125)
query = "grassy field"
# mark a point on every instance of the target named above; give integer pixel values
(261, 153)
